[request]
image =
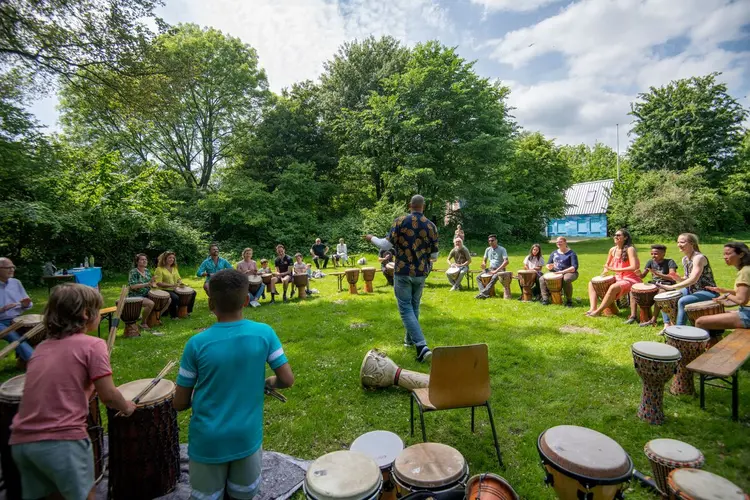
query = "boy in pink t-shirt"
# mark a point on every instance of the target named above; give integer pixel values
(49, 439)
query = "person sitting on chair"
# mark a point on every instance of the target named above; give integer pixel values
(248, 267)
(167, 278)
(497, 257)
(13, 302)
(535, 262)
(140, 282)
(301, 268)
(212, 265)
(461, 259)
(736, 254)
(283, 273)
(319, 252)
(266, 269)
(562, 261)
(341, 257)
(622, 259)
(664, 272)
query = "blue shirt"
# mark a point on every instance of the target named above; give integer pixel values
(563, 260)
(496, 256)
(12, 292)
(226, 366)
(415, 241)
(209, 267)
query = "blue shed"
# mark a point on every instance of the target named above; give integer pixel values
(586, 215)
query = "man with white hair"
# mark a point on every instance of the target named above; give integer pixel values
(461, 260)
(13, 302)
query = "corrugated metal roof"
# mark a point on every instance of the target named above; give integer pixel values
(588, 197)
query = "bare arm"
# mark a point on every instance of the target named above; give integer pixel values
(112, 397)
(283, 378)
(699, 262)
(183, 398)
(739, 296)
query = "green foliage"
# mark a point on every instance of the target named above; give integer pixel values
(592, 164)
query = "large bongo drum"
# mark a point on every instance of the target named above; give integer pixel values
(655, 363)
(667, 302)
(267, 278)
(11, 392)
(144, 448)
(554, 283)
(696, 484)
(368, 273)
(583, 463)
(489, 486)
(29, 321)
(485, 278)
(383, 447)
(185, 293)
(301, 281)
(601, 284)
(253, 284)
(343, 475)
(667, 455)
(706, 308)
(643, 294)
(378, 370)
(433, 467)
(526, 280)
(691, 342)
(352, 276)
(452, 274)
(390, 269)
(505, 279)
(131, 311)
(160, 298)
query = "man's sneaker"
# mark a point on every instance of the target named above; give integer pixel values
(544, 302)
(425, 355)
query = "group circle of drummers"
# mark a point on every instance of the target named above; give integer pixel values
(55, 439)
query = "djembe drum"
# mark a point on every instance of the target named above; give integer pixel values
(352, 276)
(368, 274)
(383, 447)
(452, 274)
(131, 311)
(691, 342)
(554, 283)
(667, 302)
(185, 293)
(505, 279)
(696, 484)
(667, 455)
(11, 392)
(489, 486)
(343, 475)
(486, 278)
(601, 284)
(583, 463)
(254, 283)
(29, 321)
(706, 308)
(144, 449)
(526, 280)
(378, 370)
(160, 298)
(432, 467)
(267, 278)
(390, 269)
(643, 294)
(301, 281)
(655, 363)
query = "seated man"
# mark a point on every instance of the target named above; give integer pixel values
(13, 302)
(563, 261)
(212, 265)
(497, 257)
(461, 259)
(384, 257)
(664, 272)
(319, 251)
(283, 273)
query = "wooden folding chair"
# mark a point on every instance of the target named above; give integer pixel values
(459, 378)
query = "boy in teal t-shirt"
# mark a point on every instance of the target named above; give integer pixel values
(222, 376)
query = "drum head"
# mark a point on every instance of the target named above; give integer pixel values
(644, 287)
(602, 279)
(429, 465)
(672, 451)
(163, 390)
(656, 350)
(381, 446)
(29, 319)
(183, 290)
(159, 293)
(705, 304)
(343, 475)
(391, 265)
(133, 299)
(12, 389)
(671, 295)
(690, 333)
(255, 280)
(695, 483)
(583, 452)
(485, 275)
(526, 271)
(551, 276)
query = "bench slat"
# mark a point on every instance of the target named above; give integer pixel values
(726, 357)
(107, 310)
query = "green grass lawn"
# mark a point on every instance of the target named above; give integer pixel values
(541, 377)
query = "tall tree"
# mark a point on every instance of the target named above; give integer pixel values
(688, 123)
(591, 164)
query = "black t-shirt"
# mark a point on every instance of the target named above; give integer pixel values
(319, 250)
(282, 264)
(663, 267)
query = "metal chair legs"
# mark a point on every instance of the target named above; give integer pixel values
(494, 434)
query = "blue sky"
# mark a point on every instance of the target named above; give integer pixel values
(573, 67)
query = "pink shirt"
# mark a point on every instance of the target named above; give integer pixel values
(244, 267)
(59, 384)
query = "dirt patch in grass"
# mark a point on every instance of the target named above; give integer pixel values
(359, 325)
(579, 329)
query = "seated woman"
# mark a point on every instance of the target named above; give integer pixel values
(738, 255)
(140, 282)
(167, 277)
(623, 260)
(535, 262)
(341, 256)
(266, 269)
(699, 278)
(248, 267)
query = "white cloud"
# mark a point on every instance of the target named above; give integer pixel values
(514, 5)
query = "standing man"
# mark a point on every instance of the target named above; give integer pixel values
(212, 265)
(415, 245)
(283, 262)
(498, 261)
(461, 259)
(563, 261)
(319, 251)
(13, 301)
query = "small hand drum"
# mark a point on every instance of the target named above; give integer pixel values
(601, 284)
(29, 321)
(131, 310)
(186, 294)
(554, 283)
(368, 273)
(433, 467)
(655, 363)
(486, 278)
(667, 302)
(352, 276)
(667, 455)
(383, 447)
(343, 475)
(643, 294)
(695, 484)
(706, 308)
(691, 342)
(526, 280)
(160, 299)
(301, 281)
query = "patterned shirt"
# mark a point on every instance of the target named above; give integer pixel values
(706, 278)
(136, 278)
(211, 267)
(415, 240)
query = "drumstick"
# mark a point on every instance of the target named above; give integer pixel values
(275, 394)
(152, 384)
(26, 336)
(116, 319)
(12, 328)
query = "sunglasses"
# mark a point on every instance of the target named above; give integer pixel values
(618, 235)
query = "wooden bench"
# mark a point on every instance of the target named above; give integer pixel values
(722, 362)
(469, 276)
(105, 313)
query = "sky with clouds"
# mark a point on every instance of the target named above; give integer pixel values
(573, 67)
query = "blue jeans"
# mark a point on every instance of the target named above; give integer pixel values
(24, 350)
(408, 291)
(256, 295)
(691, 298)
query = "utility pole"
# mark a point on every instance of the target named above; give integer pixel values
(618, 152)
